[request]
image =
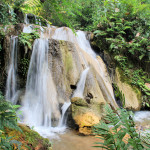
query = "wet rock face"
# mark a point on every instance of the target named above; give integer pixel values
(63, 67)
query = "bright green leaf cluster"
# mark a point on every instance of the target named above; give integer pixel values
(113, 134)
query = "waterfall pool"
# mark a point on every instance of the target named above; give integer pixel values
(72, 141)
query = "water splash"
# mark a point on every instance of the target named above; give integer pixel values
(27, 28)
(11, 86)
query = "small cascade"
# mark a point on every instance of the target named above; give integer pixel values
(64, 109)
(98, 64)
(84, 43)
(65, 34)
(27, 28)
(11, 86)
(26, 20)
(81, 84)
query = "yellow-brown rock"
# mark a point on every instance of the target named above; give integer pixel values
(86, 121)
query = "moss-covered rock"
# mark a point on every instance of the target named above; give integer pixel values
(29, 138)
(132, 94)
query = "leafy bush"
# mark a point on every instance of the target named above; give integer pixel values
(7, 144)
(114, 133)
(7, 15)
(27, 39)
(23, 67)
(124, 33)
(8, 119)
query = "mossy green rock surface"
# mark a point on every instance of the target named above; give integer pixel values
(30, 139)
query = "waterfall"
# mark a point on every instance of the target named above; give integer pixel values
(11, 86)
(36, 95)
(84, 43)
(40, 106)
(81, 84)
(26, 20)
(88, 56)
(105, 86)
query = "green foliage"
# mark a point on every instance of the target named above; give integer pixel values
(8, 119)
(113, 134)
(2, 34)
(124, 32)
(8, 116)
(23, 67)
(145, 137)
(27, 39)
(7, 15)
(7, 144)
(119, 95)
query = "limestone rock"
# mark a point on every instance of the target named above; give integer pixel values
(79, 101)
(132, 98)
(86, 115)
(86, 121)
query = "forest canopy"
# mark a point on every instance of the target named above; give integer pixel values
(80, 14)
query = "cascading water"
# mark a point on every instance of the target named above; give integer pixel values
(26, 20)
(81, 84)
(90, 56)
(11, 86)
(64, 108)
(40, 106)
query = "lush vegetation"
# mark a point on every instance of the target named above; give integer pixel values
(124, 33)
(8, 119)
(120, 27)
(119, 133)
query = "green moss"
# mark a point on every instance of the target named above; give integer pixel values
(126, 80)
(29, 138)
(67, 58)
(67, 61)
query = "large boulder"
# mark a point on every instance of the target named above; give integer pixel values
(86, 114)
(132, 95)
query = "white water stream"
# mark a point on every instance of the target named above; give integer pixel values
(81, 84)
(40, 106)
(11, 87)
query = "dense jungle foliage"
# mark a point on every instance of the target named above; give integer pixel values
(120, 27)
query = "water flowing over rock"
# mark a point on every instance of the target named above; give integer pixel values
(11, 86)
(60, 59)
(38, 97)
(81, 84)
